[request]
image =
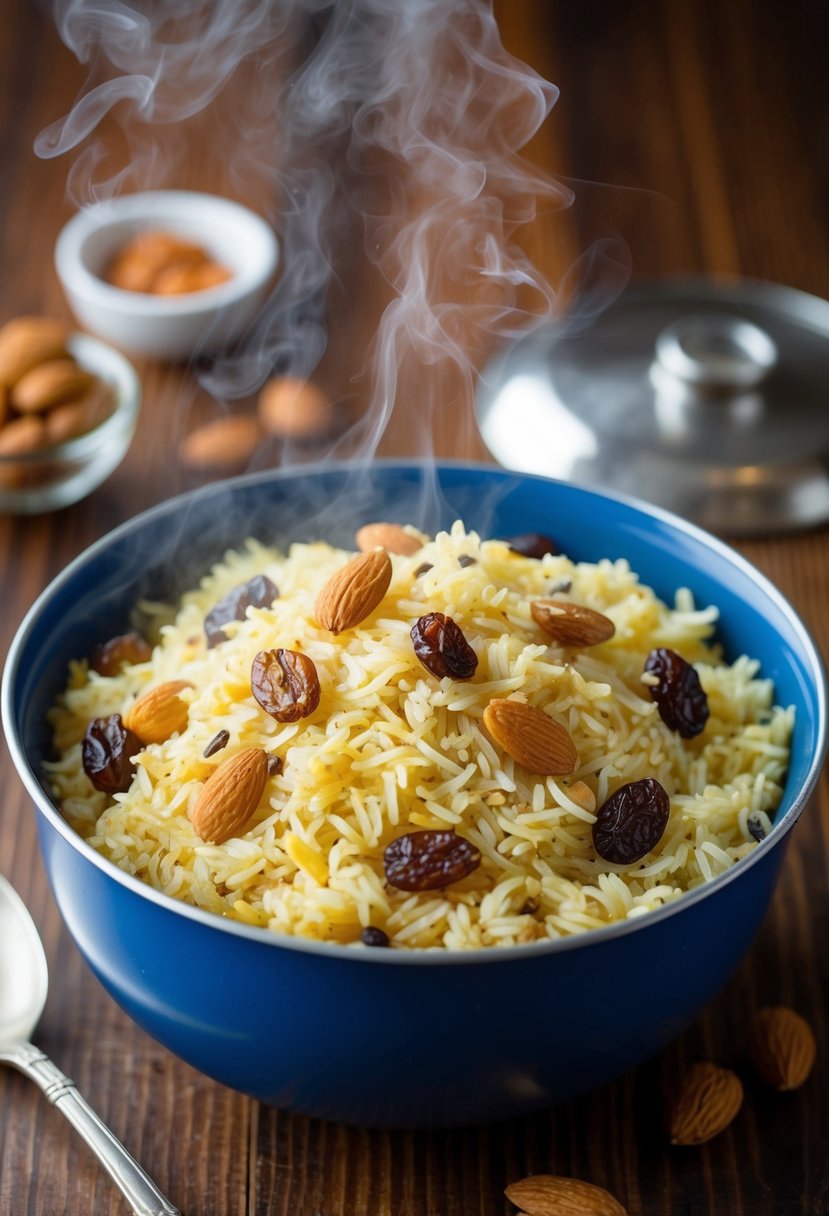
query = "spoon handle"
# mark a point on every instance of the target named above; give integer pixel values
(137, 1187)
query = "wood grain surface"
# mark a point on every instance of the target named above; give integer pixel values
(698, 133)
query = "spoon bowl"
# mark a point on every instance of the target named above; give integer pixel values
(24, 984)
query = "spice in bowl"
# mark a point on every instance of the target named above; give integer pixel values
(162, 263)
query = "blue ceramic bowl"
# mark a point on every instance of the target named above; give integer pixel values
(386, 1037)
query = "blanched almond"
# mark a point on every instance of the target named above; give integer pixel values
(572, 624)
(390, 537)
(549, 1195)
(230, 796)
(783, 1047)
(531, 737)
(49, 384)
(708, 1100)
(27, 341)
(224, 443)
(354, 591)
(159, 712)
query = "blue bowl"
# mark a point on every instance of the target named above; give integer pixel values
(390, 1037)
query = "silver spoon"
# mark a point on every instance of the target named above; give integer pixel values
(23, 985)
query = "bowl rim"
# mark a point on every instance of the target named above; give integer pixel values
(433, 956)
(80, 281)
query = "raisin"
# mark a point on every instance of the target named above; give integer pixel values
(109, 657)
(631, 822)
(529, 906)
(285, 683)
(532, 544)
(219, 740)
(422, 861)
(258, 592)
(275, 766)
(372, 936)
(106, 752)
(441, 647)
(680, 698)
(465, 560)
(755, 827)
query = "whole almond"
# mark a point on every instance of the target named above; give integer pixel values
(708, 1099)
(224, 443)
(549, 1195)
(75, 418)
(139, 263)
(782, 1047)
(230, 796)
(21, 436)
(354, 591)
(530, 737)
(27, 341)
(49, 384)
(159, 712)
(390, 537)
(179, 279)
(572, 624)
(293, 409)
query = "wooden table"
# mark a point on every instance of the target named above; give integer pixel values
(697, 132)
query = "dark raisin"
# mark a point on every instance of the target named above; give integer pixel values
(372, 936)
(441, 647)
(529, 907)
(219, 740)
(109, 657)
(422, 861)
(423, 568)
(755, 827)
(285, 683)
(680, 698)
(631, 822)
(465, 560)
(275, 766)
(258, 592)
(532, 544)
(106, 752)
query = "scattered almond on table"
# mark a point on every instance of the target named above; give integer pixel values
(782, 1047)
(549, 1195)
(291, 408)
(46, 397)
(224, 444)
(163, 263)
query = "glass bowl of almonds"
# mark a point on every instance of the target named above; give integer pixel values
(166, 273)
(375, 762)
(68, 410)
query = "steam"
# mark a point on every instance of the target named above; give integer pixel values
(389, 127)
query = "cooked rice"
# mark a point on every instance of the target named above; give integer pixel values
(392, 749)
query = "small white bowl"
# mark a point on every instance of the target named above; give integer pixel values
(166, 327)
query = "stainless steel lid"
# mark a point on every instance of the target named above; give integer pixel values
(710, 399)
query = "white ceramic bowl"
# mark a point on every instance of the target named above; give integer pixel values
(166, 327)
(48, 478)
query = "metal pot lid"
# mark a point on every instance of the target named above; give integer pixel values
(710, 399)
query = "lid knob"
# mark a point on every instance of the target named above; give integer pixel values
(717, 352)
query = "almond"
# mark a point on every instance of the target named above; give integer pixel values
(390, 537)
(27, 341)
(159, 713)
(230, 796)
(581, 793)
(180, 278)
(293, 409)
(50, 384)
(354, 591)
(224, 443)
(572, 624)
(549, 1195)
(708, 1100)
(782, 1047)
(21, 437)
(531, 737)
(139, 263)
(75, 418)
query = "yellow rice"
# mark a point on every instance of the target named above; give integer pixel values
(392, 749)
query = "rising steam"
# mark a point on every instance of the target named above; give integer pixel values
(393, 127)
